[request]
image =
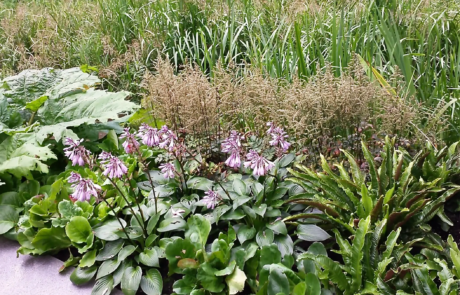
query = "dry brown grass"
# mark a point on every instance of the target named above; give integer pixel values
(324, 106)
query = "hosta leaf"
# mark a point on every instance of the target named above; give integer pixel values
(311, 233)
(269, 255)
(131, 280)
(126, 251)
(245, 233)
(103, 286)
(239, 187)
(107, 267)
(110, 250)
(264, 237)
(149, 258)
(313, 284)
(198, 229)
(108, 230)
(285, 244)
(83, 275)
(171, 224)
(152, 282)
(277, 282)
(278, 227)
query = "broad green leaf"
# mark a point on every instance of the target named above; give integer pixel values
(36, 104)
(269, 255)
(245, 233)
(236, 281)
(82, 275)
(110, 250)
(177, 250)
(103, 286)
(107, 267)
(239, 187)
(313, 284)
(311, 233)
(285, 244)
(152, 282)
(209, 280)
(149, 258)
(278, 227)
(19, 157)
(264, 237)
(172, 224)
(88, 259)
(198, 229)
(126, 251)
(48, 239)
(277, 282)
(335, 273)
(131, 280)
(108, 230)
(78, 229)
(8, 218)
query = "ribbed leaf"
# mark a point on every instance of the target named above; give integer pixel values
(372, 170)
(131, 280)
(152, 282)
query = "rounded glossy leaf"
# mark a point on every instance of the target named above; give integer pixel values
(107, 267)
(108, 230)
(110, 250)
(312, 233)
(126, 251)
(313, 284)
(131, 280)
(88, 259)
(152, 283)
(8, 218)
(51, 239)
(239, 187)
(149, 257)
(171, 224)
(264, 237)
(245, 233)
(78, 229)
(278, 227)
(277, 282)
(286, 160)
(83, 275)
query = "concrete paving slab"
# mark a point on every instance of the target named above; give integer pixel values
(30, 275)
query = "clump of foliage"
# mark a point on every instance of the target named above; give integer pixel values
(40, 107)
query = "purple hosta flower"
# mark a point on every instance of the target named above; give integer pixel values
(258, 163)
(278, 137)
(211, 199)
(232, 145)
(113, 166)
(272, 127)
(150, 136)
(130, 145)
(168, 170)
(75, 152)
(167, 138)
(83, 188)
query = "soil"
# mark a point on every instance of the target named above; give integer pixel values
(453, 230)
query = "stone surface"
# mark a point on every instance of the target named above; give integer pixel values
(29, 275)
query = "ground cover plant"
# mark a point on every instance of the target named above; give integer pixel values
(234, 147)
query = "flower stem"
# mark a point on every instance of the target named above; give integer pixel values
(118, 219)
(132, 211)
